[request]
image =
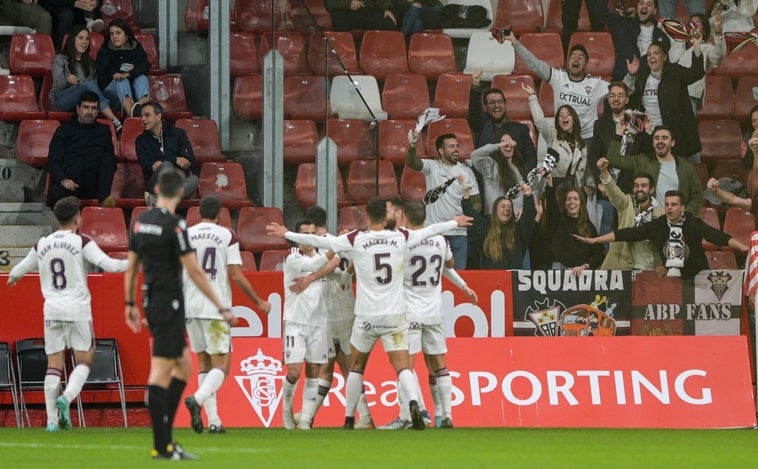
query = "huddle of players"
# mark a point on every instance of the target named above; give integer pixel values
(398, 265)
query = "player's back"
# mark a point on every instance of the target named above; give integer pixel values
(424, 262)
(63, 276)
(159, 237)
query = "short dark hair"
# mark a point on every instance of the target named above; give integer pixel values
(157, 108)
(415, 212)
(170, 181)
(646, 175)
(675, 193)
(66, 209)
(88, 97)
(303, 222)
(397, 201)
(490, 91)
(376, 209)
(210, 207)
(618, 84)
(581, 49)
(317, 214)
(663, 127)
(440, 142)
(122, 24)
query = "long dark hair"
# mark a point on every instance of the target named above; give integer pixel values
(501, 236)
(575, 135)
(123, 25)
(583, 217)
(69, 50)
(507, 178)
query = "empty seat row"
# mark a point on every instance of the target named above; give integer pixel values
(737, 222)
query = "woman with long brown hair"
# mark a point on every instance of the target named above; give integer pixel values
(501, 167)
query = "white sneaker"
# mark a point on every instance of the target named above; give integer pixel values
(95, 25)
(364, 423)
(304, 424)
(397, 424)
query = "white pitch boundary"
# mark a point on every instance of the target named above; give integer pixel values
(202, 449)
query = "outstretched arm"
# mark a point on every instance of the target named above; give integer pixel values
(542, 69)
(458, 281)
(235, 273)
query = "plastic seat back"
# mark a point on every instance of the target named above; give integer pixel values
(204, 137)
(740, 224)
(600, 49)
(457, 127)
(431, 54)
(305, 186)
(300, 141)
(353, 139)
(168, 91)
(322, 61)
(522, 16)
(412, 184)
(31, 54)
(361, 180)
(546, 46)
(225, 217)
(347, 104)
(291, 45)
(451, 94)
(18, 99)
(352, 217)
(718, 102)
(383, 53)
(405, 96)
(711, 217)
(33, 141)
(486, 54)
(247, 97)
(393, 140)
(128, 186)
(272, 260)
(106, 226)
(243, 56)
(305, 98)
(226, 181)
(720, 139)
(517, 102)
(251, 229)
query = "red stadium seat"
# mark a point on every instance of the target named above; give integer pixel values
(323, 62)
(33, 141)
(129, 132)
(204, 137)
(452, 93)
(554, 22)
(112, 9)
(255, 15)
(412, 184)
(226, 181)
(383, 53)
(225, 217)
(196, 16)
(545, 96)
(304, 13)
(251, 229)
(106, 226)
(305, 186)
(168, 91)
(600, 48)
(136, 213)
(458, 127)
(300, 141)
(730, 168)
(47, 104)
(272, 260)
(740, 224)
(291, 45)
(353, 139)
(546, 46)
(522, 16)
(718, 102)
(710, 216)
(128, 186)
(247, 97)
(720, 139)
(393, 140)
(248, 261)
(243, 56)
(740, 63)
(721, 260)
(361, 180)
(517, 101)
(744, 97)
(431, 54)
(31, 54)
(532, 129)
(405, 96)
(702, 173)
(18, 100)
(352, 218)
(148, 43)
(305, 98)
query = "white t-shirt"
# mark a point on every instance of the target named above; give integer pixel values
(650, 100)
(217, 247)
(644, 39)
(584, 96)
(668, 180)
(307, 307)
(61, 260)
(448, 205)
(424, 262)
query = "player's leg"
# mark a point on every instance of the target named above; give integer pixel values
(80, 337)
(157, 387)
(221, 364)
(395, 343)
(316, 383)
(364, 421)
(435, 348)
(55, 346)
(294, 353)
(211, 340)
(403, 419)
(362, 340)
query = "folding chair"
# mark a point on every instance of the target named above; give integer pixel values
(105, 374)
(8, 380)
(31, 364)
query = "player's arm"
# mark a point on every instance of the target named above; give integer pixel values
(197, 275)
(318, 241)
(458, 281)
(131, 314)
(301, 283)
(235, 273)
(27, 264)
(415, 236)
(98, 258)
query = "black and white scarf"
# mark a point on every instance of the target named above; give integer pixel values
(675, 251)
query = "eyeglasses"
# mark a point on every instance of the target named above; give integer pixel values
(614, 95)
(499, 101)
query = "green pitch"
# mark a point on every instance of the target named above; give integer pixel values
(330, 448)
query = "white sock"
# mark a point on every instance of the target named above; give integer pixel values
(421, 404)
(363, 409)
(310, 392)
(52, 385)
(445, 391)
(213, 381)
(210, 406)
(76, 381)
(435, 395)
(288, 390)
(354, 390)
(406, 391)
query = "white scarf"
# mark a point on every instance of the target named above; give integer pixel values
(675, 250)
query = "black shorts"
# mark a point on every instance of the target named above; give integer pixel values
(165, 316)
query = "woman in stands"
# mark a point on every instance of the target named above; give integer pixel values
(74, 72)
(751, 132)
(122, 68)
(501, 167)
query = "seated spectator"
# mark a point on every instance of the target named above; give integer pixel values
(747, 159)
(678, 238)
(501, 167)
(22, 13)
(122, 68)
(66, 14)
(418, 15)
(504, 236)
(163, 146)
(361, 14)
(737, 14)
(74, 72)
(81, 160)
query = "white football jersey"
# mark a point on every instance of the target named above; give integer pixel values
(217, 247)
(61, 260)
(307, 307)
(448, 205)
(424, 263)
(584, 96)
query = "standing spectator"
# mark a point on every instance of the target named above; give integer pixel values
(361, 14)
(22, 13)
(81, 160)
(737, 14)
(489, 121)
(162, 146)
(570, 19)
(74, 72)
(445, 189)
(667, 8)
(122, 68)
(501, 167)
(632, 35)
(418, 15)
(661, 92)
(67, 13)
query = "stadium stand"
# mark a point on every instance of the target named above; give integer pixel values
(31, 54)
(431, 54)
(393, 140)
(128, 186)
(18, 100)
(33, 141)
(300, 141)
(305, 186)
(247, 97)
(106, 226)
(451, 94)
(383, 53)
(243, 57)
(204, 137)
(349, 105)
(225, 180)
(291, 45)
(405, 96)
(486, 54)
(340, 55)
(353, 139)
(251, 229)
(360, 184)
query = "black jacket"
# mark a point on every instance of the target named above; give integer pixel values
(109, 61)
(175, 143)
(603, 133)
(77, 149)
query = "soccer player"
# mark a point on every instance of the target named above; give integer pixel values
(61, 259)
(425, 262)
(378, 255)
(160, 242)
(209, 334)
(306, 335)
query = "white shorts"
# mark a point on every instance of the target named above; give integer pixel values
(427, 338)
(60, 335)
(305, 343)
(212, 336)
(339, 336)
(391, 328)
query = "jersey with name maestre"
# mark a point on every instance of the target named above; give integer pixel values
(584, 96)
(217, 247)
(307, 307)
(424, 262)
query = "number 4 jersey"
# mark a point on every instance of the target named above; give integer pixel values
(61, 259)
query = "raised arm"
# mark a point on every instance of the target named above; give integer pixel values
(411, 160)
(542, 69)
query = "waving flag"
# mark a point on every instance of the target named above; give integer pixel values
(736, 41)
(751, 267)
(676, 29)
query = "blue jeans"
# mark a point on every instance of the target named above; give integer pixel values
(459, 247)
(416, 20)
(117, 90)
(67, 98)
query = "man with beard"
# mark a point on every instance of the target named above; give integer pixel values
(633, 210)
(670, 172)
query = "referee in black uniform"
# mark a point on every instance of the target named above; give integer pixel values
(159, 240)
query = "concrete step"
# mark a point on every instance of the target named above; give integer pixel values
(10, 256)
(23, 235)
(14, 170)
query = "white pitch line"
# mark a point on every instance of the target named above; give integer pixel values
(203, 449)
